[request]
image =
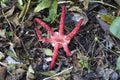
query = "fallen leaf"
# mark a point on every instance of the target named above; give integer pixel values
(30, 73)
(107, 18)
(42, 5)
(118, 63)
(16, 20)
(115, 27)
(18, 71)
(86, 3)
(2, 33)
(3, 5)
(48, 73)
(53, 10)
(47, 51)
(10, 12)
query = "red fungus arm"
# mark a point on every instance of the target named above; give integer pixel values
(44, 25)
(48, 40)
(62, 19)
(66, 49)
(75, 30)
(55, 55)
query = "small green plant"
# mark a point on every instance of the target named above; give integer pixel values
(51, 5)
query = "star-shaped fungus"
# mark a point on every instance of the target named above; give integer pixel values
(57, 39)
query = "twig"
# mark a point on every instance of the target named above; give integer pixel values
(24, 47)
(101, 2)
(59, 73)
(26, 10)
(7, 21)
(61, 2)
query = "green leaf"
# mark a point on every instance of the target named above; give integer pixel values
(107, 18)
(52, 5)
(115, 27)
(48, 19)
(10, 33)
(53, 10)
(42, 5)
(48, 51)
(118, 63)
(48, 73)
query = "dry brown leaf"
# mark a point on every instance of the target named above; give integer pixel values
(28, 23)
(86, 3)
(19, 71)
(75, 8)
(10, 12)
(2, 73)
(16, 20)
